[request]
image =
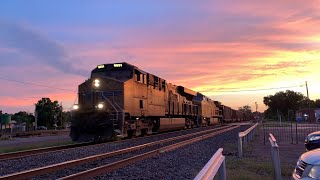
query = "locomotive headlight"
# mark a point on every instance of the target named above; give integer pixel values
(96, 82)
(100, 106)
(75, 107)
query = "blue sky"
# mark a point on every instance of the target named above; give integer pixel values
(208, 46)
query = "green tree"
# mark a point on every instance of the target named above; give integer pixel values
(66, 118)
(315, 103)
(24, 117)
(48, 112)
(282, 102)
(245, 109)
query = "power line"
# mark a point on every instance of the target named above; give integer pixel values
(248, 90)
(40, 85)
(33, 84)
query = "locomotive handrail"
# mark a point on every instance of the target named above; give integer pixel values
(117, 115)
(111, 103)
(215, 164)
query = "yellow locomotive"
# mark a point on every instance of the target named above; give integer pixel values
(122, 100)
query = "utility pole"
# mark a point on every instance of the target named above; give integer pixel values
(35, 117)
(257, 117)
(308, 102)
(61, 116)
(256, 107)
(279, 116)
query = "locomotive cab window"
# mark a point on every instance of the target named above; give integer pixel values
(139, 76)
(155, 82)
(144, 79)
(163, 84)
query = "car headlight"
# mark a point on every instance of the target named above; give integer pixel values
(314, 138)
(315, 172)
(96, 82)
(75, 107)
(100, 106)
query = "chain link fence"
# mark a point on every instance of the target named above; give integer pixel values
(289, 132)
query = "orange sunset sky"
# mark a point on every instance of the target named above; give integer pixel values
(219, 47)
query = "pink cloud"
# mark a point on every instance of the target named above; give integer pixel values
(226, 44)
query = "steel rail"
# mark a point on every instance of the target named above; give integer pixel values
(36, 132)
(68, 164)
(21, 154)
(129, 161)
(38, 151)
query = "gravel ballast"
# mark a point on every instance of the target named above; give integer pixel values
(22, 164)
(182, 163)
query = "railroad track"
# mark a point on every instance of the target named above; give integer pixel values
(26, 153)
(177, 142)
(38, 151)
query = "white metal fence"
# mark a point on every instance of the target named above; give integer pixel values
(216, 164)
(245, 137)
(275, 157)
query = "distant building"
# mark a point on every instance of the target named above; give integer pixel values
(5, 122)
(303, 115)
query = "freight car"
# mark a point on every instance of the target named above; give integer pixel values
(207, 110)
(227, 114)
(231, 115)
(121, 100)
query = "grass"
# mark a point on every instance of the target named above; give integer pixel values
(249, 167)
(34, 146)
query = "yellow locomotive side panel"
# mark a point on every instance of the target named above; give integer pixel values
(128, 97)
(208, 109)
(156, 102)
(135, 98)
(141, 100)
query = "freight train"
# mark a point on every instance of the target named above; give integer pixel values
(121, 100)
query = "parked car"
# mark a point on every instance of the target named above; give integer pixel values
(312, 141)
(308, 166)
(42, 128)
